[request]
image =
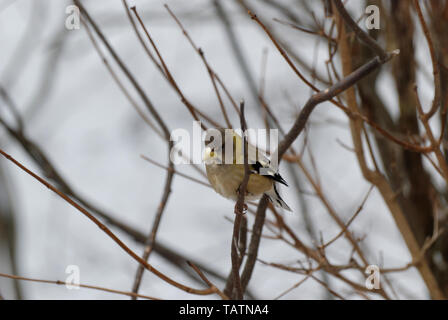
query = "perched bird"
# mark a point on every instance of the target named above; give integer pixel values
(226, 176)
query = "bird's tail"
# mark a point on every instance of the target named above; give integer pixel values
(275, 198)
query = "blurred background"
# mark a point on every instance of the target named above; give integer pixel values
(60, 105)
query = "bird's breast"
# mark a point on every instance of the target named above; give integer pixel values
(226, 179)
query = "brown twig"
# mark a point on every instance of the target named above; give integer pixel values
(59, 282)
(435, 64)
(150, 241)
(166, 72)
(417, 259)
(207, 281)
(344, 230)
(210, 71)
(424, 117)
(175, 171)
(149, 105)
(117, 80)
(254, 243)
(361, 34)
(320, 32)
(235, 45)
(295, 286)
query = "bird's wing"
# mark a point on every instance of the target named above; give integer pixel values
(258, 160)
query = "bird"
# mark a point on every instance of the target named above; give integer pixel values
(226, 176)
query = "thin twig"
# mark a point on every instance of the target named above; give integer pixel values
(59, 282)
(435, 64)
(175, 171)
(191, 108)
(236, 48)
(150, 241)
(361, 34)
(207, 281)
(117, 80)
(344, 230)
(149, 105)
(295, 286)
(210, 71)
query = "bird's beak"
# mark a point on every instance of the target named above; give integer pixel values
(212, 157)
(208, 155)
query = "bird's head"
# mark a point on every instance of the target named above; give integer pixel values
(216, 143)
(211, 156)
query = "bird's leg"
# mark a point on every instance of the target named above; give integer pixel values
(237, 209)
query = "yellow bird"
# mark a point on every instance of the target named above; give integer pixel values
(227, 176)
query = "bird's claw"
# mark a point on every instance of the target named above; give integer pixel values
(239, 211)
